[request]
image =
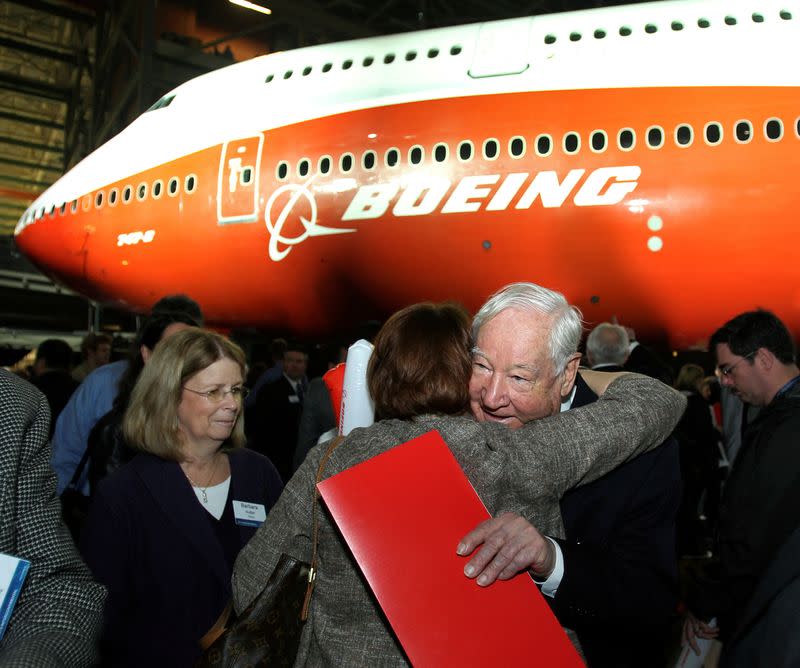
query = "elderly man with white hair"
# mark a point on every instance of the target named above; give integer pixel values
(613, 579)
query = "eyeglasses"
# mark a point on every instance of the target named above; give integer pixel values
(727, 370)
(218, 393)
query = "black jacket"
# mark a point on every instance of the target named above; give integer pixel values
(620, 572)
(759, 510)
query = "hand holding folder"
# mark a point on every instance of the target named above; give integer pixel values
(402, 514)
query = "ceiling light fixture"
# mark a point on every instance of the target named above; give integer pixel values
(251, 5)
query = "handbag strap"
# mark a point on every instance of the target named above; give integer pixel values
(312, 572)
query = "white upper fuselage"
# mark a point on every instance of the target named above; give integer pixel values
(665, 46)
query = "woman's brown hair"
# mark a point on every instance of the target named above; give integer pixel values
(151, 420)
(421, 362)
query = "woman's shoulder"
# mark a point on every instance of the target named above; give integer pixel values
(252, 465)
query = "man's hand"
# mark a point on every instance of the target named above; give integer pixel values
(510, 544)
(693, 628)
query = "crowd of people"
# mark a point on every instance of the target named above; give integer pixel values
(184, 481)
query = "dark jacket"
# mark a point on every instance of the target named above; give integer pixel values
(758, 512)
(157, 550)
(620, 570)
(766, 636)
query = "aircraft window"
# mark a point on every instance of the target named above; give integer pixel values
(549, 39)
(713, 133)
(388, 58)
(599, 34)
(283, 170)
(53, 206)
(327, 67)
(86, 203)
(773, 128)
(599, 141)
(325, 164)
(172, 188)
(347, 64)
(113, 196)
(684, 135)
(465, 151)
(126, 194)
(455, 50)
(269, 78)
(744, 132)
(703, 23)
(190, 184)
(797, 127)
(677, 26)
(346, 163)
(416, 155)
(625, 31)
(244, 178)
(440, 151)
(432, 53)
(655, 137)
(368, 61)
(571, 142)
(62, 209)
(74, 206)
(98, 200)
(516, 147)
(162, 102)
(651, 28)
(411, 55)
(288, 74)
(306, 71)
(303, 167)
(491, 149)
(368, 160)
(158, 188)
(392, 157)
(757, 18)
(141, 191)
(575, 37)
(730, 20)
(786, 15)
(544, 145)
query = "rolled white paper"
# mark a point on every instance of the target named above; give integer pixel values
(358, 409)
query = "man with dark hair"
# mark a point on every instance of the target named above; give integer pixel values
(760, 506)
(273, 421)
(51, 375)
(95, 397)
(96, 351)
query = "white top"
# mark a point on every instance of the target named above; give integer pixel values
(217, 496)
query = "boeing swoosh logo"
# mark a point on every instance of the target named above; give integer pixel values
(279, 245)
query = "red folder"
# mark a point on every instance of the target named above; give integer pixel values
(403, 513)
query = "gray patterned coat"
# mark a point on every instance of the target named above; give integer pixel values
(525, 471)
(59, 611)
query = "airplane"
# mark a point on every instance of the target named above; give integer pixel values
(641, 159)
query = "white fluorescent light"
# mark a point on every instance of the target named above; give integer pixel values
(251, 5)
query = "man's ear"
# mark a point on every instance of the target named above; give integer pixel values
(568, 377)
(764, 358)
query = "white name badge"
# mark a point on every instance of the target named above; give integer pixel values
(12, 574)
(249, 514)
(294, 399)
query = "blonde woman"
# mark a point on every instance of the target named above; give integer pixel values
(164, 531)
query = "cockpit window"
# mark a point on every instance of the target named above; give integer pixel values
(163, 102)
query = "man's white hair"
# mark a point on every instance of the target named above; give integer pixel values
(567, 327)
(607, 344)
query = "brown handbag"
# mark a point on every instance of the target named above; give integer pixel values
(268, 632)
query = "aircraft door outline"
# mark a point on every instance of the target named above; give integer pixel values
(238, 180)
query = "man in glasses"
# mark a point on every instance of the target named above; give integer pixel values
(761, 503)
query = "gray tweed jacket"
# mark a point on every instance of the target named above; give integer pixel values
(525, 471)
(58, 615)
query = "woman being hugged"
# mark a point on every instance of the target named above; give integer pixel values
(164, 531)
